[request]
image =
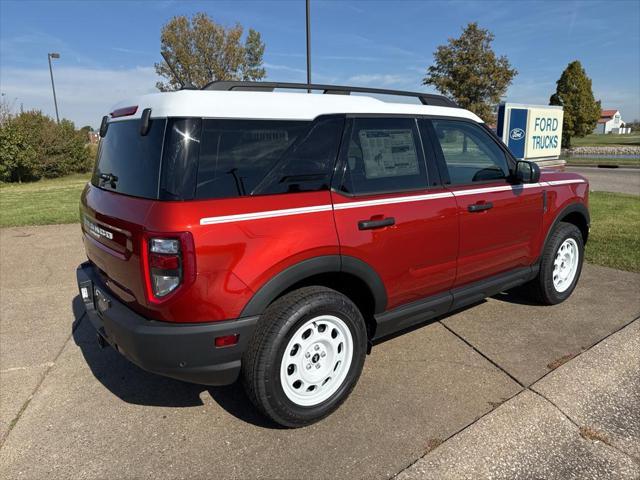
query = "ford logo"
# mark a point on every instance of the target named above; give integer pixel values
(517, 134)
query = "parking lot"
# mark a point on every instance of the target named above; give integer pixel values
(619, 180)
(505, 388)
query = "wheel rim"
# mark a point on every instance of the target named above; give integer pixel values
(316, 360)
(565, 265)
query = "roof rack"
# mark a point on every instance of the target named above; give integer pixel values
(425, 98)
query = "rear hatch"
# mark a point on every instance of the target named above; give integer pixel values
(131, 176)
(114, 205)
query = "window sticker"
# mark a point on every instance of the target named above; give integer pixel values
(388, 153)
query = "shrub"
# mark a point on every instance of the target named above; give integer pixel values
(17, 156)
(35, 146)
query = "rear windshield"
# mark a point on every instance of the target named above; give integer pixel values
(128, 162)
(209, 158)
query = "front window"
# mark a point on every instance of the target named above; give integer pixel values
(470, 154)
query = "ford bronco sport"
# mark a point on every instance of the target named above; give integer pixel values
(241, 232)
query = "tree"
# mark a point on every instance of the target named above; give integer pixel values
(467, 70)
(574, 93)
(200, 51)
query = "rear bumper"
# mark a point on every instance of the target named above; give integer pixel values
(183, 351)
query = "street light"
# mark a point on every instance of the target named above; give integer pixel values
(53, 86)
(308, 44)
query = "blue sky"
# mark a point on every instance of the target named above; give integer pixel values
(108, 48)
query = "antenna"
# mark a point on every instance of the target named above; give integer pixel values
(183, 85)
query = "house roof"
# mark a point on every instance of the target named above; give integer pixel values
(608, 113)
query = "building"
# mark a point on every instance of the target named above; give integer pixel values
(611, 122)
(94, 137)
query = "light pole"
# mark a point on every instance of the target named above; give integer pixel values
(308, 46)
(53, 86)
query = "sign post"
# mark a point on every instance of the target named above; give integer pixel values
(532, 132)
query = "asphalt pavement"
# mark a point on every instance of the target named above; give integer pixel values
(503, 389)
(618, 180)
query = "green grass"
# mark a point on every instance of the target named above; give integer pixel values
(571, 160)
(614, 240)
(41, 203)
(606, 139)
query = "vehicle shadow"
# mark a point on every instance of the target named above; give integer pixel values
(516, 296)
(136, 386)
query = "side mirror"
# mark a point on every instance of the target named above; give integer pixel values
(526, 172)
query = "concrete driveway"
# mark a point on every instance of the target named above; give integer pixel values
(464, 383)
(619, 180)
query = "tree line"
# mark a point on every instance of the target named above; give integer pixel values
(465, 69)
(197, 51)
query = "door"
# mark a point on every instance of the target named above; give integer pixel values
(500, 222)
(387, 215)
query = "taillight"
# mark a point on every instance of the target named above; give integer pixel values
(169, 263)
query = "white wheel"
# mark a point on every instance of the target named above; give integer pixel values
(565, 265)
(316, 360)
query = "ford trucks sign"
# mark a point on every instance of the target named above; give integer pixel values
(531, 131)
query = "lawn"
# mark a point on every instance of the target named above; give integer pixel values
(607, 139)
(614, 240)
(40, 203)
(621, 161)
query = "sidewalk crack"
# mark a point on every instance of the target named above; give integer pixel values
(582, 427)
(490, 360)
(25, 405)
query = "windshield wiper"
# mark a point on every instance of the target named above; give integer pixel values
(108, 177)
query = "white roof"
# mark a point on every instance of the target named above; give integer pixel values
(273, 105)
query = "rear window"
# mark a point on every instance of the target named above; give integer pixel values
(208, 159)
(128, 162)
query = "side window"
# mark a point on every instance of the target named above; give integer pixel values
(470, 153)
(383, 155)
(235, 155)
(307, 165)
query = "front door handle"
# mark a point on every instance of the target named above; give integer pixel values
(480, 207)
(371, 224)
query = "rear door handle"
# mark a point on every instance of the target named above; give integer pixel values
(371, 224)
(479, 207)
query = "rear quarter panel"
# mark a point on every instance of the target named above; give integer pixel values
(235, 258)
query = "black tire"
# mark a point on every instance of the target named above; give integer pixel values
(542, 287)
(261, 362)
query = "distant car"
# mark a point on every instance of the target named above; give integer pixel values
(274, 236)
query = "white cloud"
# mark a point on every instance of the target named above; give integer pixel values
(84, 94)
(378, 79)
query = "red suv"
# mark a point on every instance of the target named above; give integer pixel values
(235, 231)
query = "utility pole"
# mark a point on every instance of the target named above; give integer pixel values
(308, 46)
(53, 86)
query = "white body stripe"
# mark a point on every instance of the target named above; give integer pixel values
(564, 182)
(370, 203)
(390, 201)
(504, 188)
(268, 214)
